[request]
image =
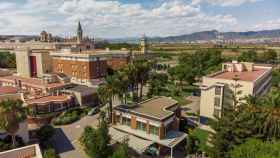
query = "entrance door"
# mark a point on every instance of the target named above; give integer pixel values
(33, 66)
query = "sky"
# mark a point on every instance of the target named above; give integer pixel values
(133, 18)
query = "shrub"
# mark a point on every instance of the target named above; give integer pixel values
(69, 116)
(49, 153)
(45, 132)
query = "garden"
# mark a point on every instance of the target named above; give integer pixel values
(71, 116)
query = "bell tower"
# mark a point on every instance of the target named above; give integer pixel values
(144, 45)
(79, 33)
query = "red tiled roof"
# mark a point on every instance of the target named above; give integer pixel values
(243, 76)
(8, 90)
(33, 82)
(48, 99)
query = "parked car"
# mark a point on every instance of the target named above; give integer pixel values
(93, 111)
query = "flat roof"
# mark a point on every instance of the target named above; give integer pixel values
(33, 82)
(31, 151)
(242, 76)
(47, 99)
(8, 90)
(82, 88)
(155, 107)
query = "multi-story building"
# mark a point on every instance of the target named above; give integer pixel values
(156, 120)
(87, 67)
(30, 151)
(32, 86)
(33, 63)
(235, 79)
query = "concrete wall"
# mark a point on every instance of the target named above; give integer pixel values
(208, 95)
(23, 64)
(44, 63)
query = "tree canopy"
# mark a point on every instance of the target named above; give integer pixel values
(257, 118)
(7, 60)
(254, 148)
(12, 113)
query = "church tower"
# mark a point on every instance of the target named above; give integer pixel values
(144, 45)
(79, 33)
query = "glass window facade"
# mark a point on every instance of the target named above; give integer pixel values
(141, 126)
(154, 130)
(126, 121)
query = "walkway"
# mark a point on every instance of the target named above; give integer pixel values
(66, 138)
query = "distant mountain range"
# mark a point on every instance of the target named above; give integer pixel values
(215, 35)
(208, 35)
(197, 36)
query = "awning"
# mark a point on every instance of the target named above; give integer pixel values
(137, 144)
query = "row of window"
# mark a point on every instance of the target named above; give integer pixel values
(141, 126)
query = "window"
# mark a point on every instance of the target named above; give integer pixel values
(217, 113)
(141, 126)
(126, 121)
(217, 102)
(218, 90)
(154, 130)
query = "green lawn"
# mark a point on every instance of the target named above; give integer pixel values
(202, 135)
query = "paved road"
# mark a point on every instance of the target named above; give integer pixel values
(66, 138)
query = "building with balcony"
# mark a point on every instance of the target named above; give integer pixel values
(43, 109)
(235, 79)
(155, 120)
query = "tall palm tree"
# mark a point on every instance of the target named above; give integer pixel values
(271, 111)
(106, 93)
(131, 72)
(12, 114)
(122, 84)
(143, 68)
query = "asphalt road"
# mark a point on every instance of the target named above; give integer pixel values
(66, 138)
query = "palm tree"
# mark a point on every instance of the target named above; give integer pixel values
(12, 114)
(122, 84)
(143, 68)
(106, 93)
(131, 72)
(271, 111)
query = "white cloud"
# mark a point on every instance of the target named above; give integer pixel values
(110, 18)
(224, 2)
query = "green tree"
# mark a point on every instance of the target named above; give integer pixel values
(143, 68)
(254, 148)
(157, 83)
(49, 153)
(7, 60)
(106, 93)
(12, 114)
(46, 132)
(96, 141)
(249, 56)
(270, 56)
(276, 78)
(121, 151)
(256, 118)
(192, 146)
